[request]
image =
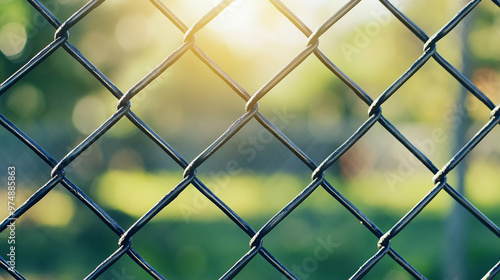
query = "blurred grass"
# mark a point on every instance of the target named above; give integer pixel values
(209, 243)
(60, 103)
(258, 195)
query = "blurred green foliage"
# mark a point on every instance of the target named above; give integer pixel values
(59, 103)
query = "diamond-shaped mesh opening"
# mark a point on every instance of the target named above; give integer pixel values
(436, 234)
(383, 182)
(76, 99)
(354, 40)
(203, 243)
(312, 101)
(148, 158)
(178, 88)
(429, 237)
(441, 87)
(53, 244)
(135, 31)
(317, 243)
(244, 175)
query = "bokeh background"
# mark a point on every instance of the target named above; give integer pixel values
(60, 103)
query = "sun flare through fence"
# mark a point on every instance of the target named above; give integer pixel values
(249, 112)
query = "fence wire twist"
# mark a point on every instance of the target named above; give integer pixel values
(251, 110)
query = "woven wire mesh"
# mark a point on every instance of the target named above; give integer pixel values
(251, 111)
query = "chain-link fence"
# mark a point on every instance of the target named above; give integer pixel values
(250, 111)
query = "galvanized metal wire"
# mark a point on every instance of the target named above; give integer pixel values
(251, 111)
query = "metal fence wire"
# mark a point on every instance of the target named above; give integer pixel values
(251, 111)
